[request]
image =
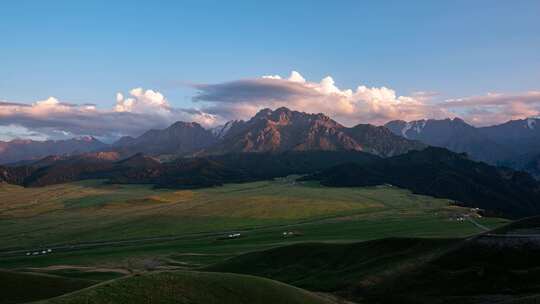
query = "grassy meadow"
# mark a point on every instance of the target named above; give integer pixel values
(122, 237)
(16, 286)
(94, 223)
(192, 287)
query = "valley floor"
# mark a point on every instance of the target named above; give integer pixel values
(96, 231)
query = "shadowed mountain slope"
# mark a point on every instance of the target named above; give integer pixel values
(515, 143)
(179, 138)
(441, 173)
(17, 150)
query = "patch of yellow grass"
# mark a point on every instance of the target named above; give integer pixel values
(275, 207)
(175, 197)
(16, 201)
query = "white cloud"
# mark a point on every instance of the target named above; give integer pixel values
(243, 98)
(375, 105)
(296, 77)
(494, 108)
(140, 111)
(141, 101)
(9, 132)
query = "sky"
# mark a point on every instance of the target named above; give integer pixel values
(114, 68)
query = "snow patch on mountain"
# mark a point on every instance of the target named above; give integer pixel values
(405, 129)
(420, 125)
(531, 123)
(222, 130)
(417, 126)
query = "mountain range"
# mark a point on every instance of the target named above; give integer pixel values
(268, 131)
(515, 143)
(21, 150)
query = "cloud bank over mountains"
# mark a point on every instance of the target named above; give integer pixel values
(375, 105)
(139, 111)
(362, 105)
(213, 104)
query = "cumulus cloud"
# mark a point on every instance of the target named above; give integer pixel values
(141, 101)
(375, 105)
(243, 98)
(140, 111)
(494, 108)
(9, 132)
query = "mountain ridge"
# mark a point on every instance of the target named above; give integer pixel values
(287, 130)
(441, 173)
(18, 149)
(515, 143)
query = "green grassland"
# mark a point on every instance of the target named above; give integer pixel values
(193, 288)
(336, 267)
(183, 228)
(152, 237)
(482, 269)
(19, 287)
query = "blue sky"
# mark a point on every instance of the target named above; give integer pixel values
(87, 51)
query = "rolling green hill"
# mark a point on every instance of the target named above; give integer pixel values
(478, 271)
(499, 266)
(192, 288)
(19, 287)
(336, 267)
